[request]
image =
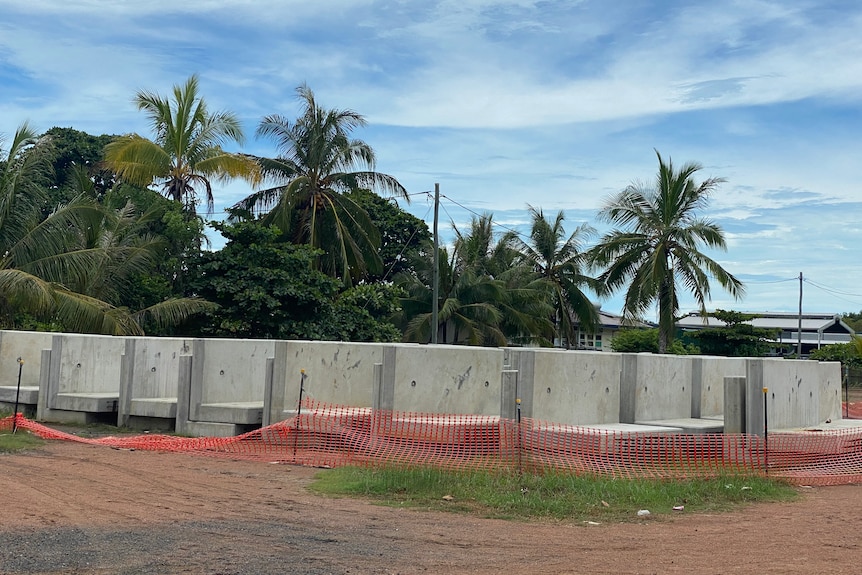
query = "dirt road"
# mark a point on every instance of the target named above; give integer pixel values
(72, 508)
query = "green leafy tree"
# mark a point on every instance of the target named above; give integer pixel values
(636, 340)
(186, 153)
(849, 354)
(48, 265)
(736, 338)
(486, 296)
(268, 288)
(317, 163)
(78, 154)
(655, 249)
(854, 320)
(403, 236)
(561, 261)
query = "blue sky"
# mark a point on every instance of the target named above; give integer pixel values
(510, 102)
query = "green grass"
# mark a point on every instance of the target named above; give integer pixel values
(21, 440)
(574, 498)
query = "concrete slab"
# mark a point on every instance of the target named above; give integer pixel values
(161, 407)
(213, 429)
(29, 394)
(237, 412)
(690, 425)
(93, 402)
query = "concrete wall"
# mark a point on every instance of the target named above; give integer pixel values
(708, 373)
(86, 363)
(150, 372)
(655, 387)
(800, 393)
(27, 345)
(444, 378)
(575, 387)
(229, 370)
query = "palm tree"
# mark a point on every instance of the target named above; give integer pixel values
(187, 151)
(37, 263)
(487, 297)
(317, 163)
(56, 267)
(561, 262)
(657, 246)
(468, 313)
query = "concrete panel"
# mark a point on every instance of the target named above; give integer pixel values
(800, 393)
(150, 370)
(576, 387)
(734, 404)
(708, 373)
(27, 345)
(447, 379)
(663, 387)
(87, 363)
(336, 372)
(229, 370)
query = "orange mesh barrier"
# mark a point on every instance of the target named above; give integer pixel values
(329, 435)
(852, 410)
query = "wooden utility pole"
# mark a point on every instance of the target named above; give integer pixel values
(435, 284)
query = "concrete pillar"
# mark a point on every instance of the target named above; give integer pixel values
(196, 385)
(509, 394)
(44, 386)
(754, 423)
(266, 416)
(127, 377)
(523, 361)
(696, 386)
(628, 387)
(384, 395)
(384, 387)
(734, 404)
(184, 384)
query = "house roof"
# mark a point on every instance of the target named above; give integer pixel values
(785, 321)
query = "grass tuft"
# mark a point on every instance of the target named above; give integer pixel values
(566, 497)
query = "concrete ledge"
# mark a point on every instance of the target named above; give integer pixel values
(161, 407)
(690, 425)
(87, 402)
(240, 412)
(213, 429)
(29, 394)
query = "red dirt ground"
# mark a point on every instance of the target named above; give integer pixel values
(73, 508)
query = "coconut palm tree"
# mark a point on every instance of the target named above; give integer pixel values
(561, 261)
(56, 267)
(317, 163)
(468, 313)
(656, 247)
(186, 153)
(487, 297)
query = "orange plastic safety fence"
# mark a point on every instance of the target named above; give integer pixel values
(852, 410)
(327, 435)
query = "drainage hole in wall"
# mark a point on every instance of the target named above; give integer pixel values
(607, 390)
(549, 390)
(78, 366)
(153, 369)
(645, 388)
(221, 372)
(487, 384)
(413, 383)
(773, 396)
(810, 394)
(683, 388)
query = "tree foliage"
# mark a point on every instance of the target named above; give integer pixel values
(186, 153)
(317, 164)
(269, 288)
(736, 338)
(635, 340)
(654, 251)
